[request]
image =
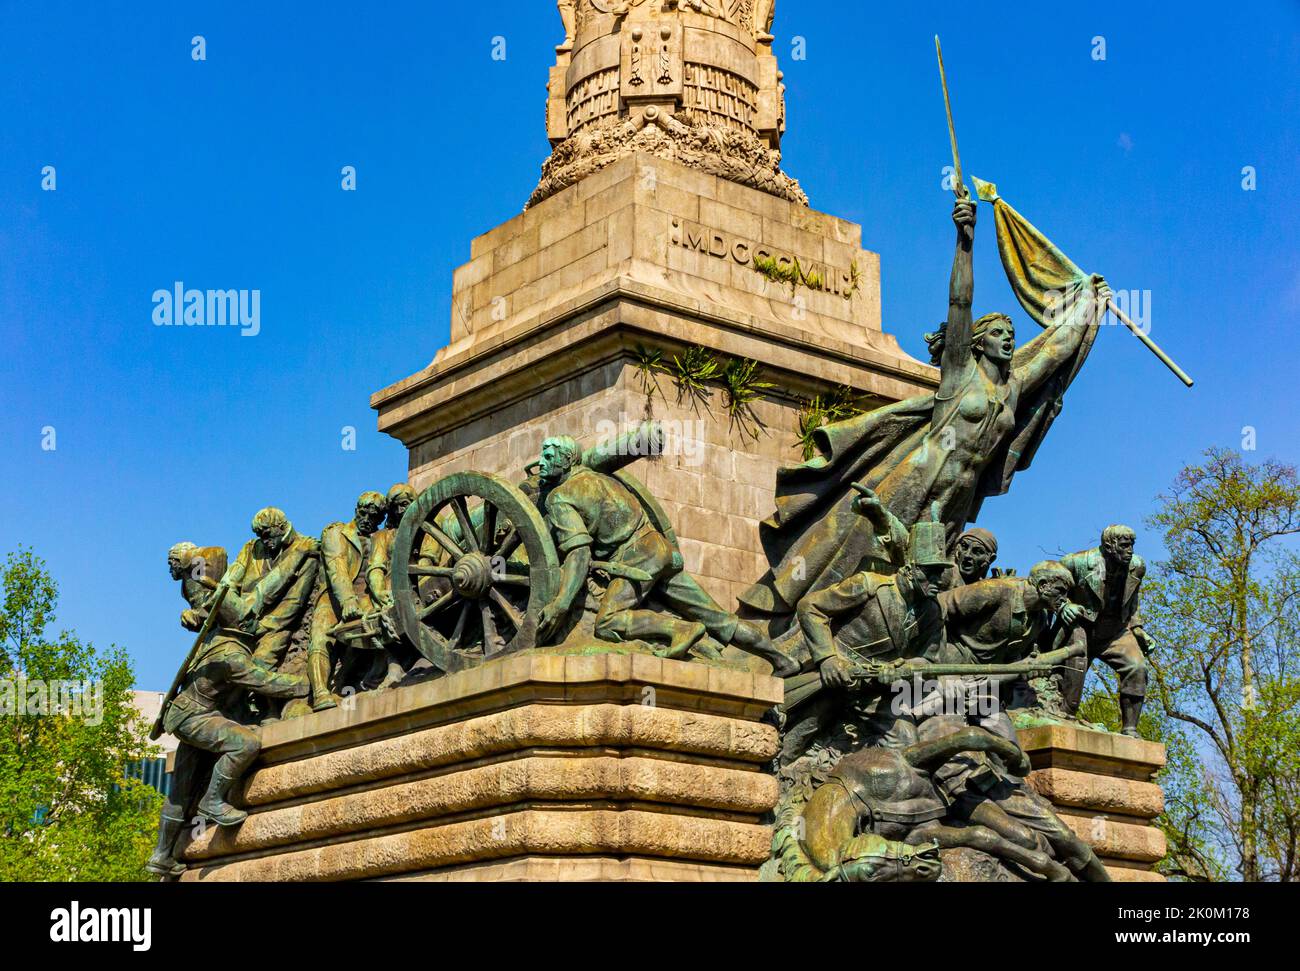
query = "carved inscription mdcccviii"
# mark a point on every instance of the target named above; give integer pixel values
(727, 246)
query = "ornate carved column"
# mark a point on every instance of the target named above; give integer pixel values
(689, 80)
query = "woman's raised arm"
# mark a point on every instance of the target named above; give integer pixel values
(1078, 318)
(961, 292)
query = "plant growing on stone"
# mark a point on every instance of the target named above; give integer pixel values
(649, 362)
(838, 404)
(692, 371)
(741, 378)
(810, 418)
(792, 274)
(787, 274)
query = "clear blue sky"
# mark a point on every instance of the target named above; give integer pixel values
(225, 173)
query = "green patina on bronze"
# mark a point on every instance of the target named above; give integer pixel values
(955, 447)
(864, 595)
(856, 588)
(876, 587)
(247, 623)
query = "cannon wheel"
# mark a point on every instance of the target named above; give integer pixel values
(473, 565)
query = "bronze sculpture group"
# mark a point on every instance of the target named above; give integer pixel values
(905, 651)
(901, 645)
(872, 771)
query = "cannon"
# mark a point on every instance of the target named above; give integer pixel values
(473, 565)
(474, 562)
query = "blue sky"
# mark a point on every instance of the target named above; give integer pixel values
(225, 173)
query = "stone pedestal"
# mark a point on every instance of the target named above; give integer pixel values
(551, 312)
(1103, 787)
(532, 767)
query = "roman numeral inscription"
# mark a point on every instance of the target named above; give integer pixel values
(728, 246)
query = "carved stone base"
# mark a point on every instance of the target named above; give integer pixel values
(738, 156)
(578, 869)
(1103, 787)
(622, 767)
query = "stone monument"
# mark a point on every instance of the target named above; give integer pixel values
(681, 587)
(662, 224)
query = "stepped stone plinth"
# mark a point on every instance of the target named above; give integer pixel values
(532, 767)
(1103, 786)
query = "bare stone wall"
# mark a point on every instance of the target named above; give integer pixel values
(693, 235)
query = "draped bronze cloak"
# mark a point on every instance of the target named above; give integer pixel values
(815, 539)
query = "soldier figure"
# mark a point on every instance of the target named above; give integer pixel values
(598, 523)
(987, 789)
(866, 619)
(400, 497)
(1004, 619)
(345, 552)
(892, 794)
(895, 618)
(274, 573)
(378, 565)
(213, 686)
(1105, 607)
(387, 667)
(974, 553)
(1001, 620)
(198, 568)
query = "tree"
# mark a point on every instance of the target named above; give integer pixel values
(1224, 611)
(68, 729)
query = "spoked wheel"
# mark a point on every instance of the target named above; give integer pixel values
(473, 565)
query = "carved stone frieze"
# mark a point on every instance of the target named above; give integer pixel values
(726, 152)
(690, 80)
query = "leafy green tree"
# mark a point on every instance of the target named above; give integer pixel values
(1224, 611)
(67, 811)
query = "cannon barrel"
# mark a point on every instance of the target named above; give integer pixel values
(614, 454)
(611, 455)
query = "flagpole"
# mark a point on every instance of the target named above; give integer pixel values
(958, 186)
(1152, 346)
